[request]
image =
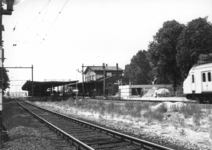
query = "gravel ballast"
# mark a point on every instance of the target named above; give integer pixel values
(26, 133)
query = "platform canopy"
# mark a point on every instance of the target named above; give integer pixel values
(45, 84)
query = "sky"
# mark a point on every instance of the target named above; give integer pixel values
(58, 36)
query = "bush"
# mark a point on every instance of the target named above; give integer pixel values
(191, 110)
(102, 107)
(196, 119)
(111, 107)
(129, 106)
(162, 108)
(153, 115)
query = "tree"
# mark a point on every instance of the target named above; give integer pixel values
(195, 39)
(139, 68)
(162, 53)
(6, 80)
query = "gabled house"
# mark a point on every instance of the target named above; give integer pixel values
(94, 73)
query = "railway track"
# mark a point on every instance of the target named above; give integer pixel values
(86, 136)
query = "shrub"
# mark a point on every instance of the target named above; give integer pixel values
(153, 115)
(162, 108)
(102, 107)
(101, 104)
(174, 108)
(121, 111)
(111, 107)
(196, 119)
(68, 102)
(129, 106)
(182, 132)
(190, 110)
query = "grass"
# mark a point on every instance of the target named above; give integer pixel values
(191, 110)
(146, 115)
(135, 109)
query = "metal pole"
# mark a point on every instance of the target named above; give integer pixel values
(82, 80)
(32, 81)
(1, 83)
(76, 86)
(104, 79)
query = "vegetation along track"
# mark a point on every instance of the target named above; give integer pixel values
(87, 136)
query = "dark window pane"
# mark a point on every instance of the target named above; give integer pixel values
(209, 76)
(192, 78)
(203, 77)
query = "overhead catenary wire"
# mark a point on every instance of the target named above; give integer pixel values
(30, 24)
(21, 14)
(42, 21)
(39, 13)
(55, 19)
(43, 18)
(14, 29)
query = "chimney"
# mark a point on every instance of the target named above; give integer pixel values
(117, 66)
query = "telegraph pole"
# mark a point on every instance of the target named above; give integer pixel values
(32, 81)
(1, 79)
(104, 79)
(82, 80)
(8, 11)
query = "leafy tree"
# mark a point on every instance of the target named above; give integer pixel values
(162, 53)
(139, 68)
(6, 80)
(195, 39)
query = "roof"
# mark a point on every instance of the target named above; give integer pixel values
(200, 66)
(100, 68)
(109, 77)
(46, 84)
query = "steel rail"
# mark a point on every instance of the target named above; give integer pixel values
(139, 142)
(80, 145)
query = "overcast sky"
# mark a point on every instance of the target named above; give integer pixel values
(58, 36)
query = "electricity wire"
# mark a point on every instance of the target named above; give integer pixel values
(43, 18)
(43, 8)
(17, 22)
(39, 13)
(38, 31)
(21, 14)
(55, 19)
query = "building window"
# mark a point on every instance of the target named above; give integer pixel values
(203, 77)
(192, 78)
(209, 76)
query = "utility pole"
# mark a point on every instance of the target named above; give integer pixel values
(8, 11)
(32, 81)
(83, 81)
(76, 86)
(103, 65)
(1, 79)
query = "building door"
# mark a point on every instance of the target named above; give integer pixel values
(206, 81)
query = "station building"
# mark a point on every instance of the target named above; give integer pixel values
(100, 80)
(97, 80)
